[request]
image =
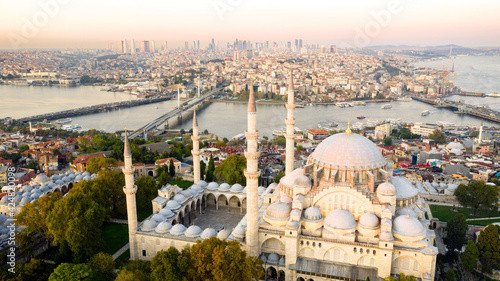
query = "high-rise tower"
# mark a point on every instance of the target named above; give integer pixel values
(290, 125)
(252, 174)
(130, 189)
(196, 149)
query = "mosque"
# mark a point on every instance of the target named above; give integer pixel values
(341, 216)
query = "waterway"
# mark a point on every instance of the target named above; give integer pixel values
(229, 119)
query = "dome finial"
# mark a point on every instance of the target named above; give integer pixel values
(348, 130)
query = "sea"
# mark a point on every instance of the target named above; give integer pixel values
(473, 73)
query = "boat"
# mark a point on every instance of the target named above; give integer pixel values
(405, 99)
(63, 121)
(425, 113)
(386, 106)
(356, 103)
(494, 95)
(299, 105)
(361, 117)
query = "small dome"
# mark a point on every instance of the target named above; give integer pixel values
(61, 182)
(5, 199)
(193, 192)
(72, 176)
(455, 145)
(158, 217)
(55, 177)
(66, 179)
(87, 178)
(278, 210)
(35, 196)
(340, 219)
(178, 229)
(435, 184)
(78, 173)
(79, 178)
(282, 261)
(24, 201)
(202, 184)
(291, 224)
(273, 258)
(302, 181)
(261, 190)
(187, 194)
(443, 185)
(406, 211)
(198, 188)
(208, 232)
(38, 191)
(368, 221)
(244, 190)
(94, 176)
(193, 231)
(86, 174)
(163, 227)
(166, 212)
(387, 189)
(224, 187)
(295, 212)
(263, 258)
(47, 188)
(285, 199)
(3, 217)
(386, 236)
(236, 188)
(180, 198)
(407, 225)
(27, 188)
(224, 234)
(173, 205)
(148, 225)
(213, 186)
(313, 214)
(456, 151)
(51, 185)
(239, 232)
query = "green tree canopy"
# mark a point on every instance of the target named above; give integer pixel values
(171, 168)
(103, 266)
(388, 141)
(438, 136)
(98, 163)
(147, 190)
(170, 263)
(477, 195)
(72, 272)
(23, 148)
(456, 229)
(210, 170)
(489, 248)
(470, 256)
(231, 170)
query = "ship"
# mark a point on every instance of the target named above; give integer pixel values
(473, 94)
(299, 105)
(361, 117)
(63, 121)
(386, 106)
(405, 99)
(425, 113)
(494, 95)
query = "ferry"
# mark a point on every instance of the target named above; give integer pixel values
(359, 102)
(407, 99)
(361, 117)
(386, 106)
(425, 113)
(299, 105)
(494, 95)
(63, 121)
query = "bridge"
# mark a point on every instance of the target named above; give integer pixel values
(151, 126)
(459, 107)
(93, 109)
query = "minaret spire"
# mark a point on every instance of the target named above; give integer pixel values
(480, 137)
(252, 173)
(290, 130)
(196, 149)
(130, 189)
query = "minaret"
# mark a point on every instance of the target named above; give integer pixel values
(252, 174)
(196, 149)
(130, 189)
(480, 137)
(290, 130)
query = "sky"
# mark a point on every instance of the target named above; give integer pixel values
(91, 23)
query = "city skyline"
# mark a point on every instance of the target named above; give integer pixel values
(71, 24)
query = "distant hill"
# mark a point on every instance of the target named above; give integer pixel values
(438, 50)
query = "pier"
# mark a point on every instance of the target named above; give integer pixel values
(93, 109)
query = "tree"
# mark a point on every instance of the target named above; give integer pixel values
(489, 248)
(438, 136)
(210, 170)
(231, 170)
(456, 229)
(170, 263)
(98, 163)
(477, 195)
(56, 151)
(470, 256)
(69, 271)
(402, 277)
(147, 190)
(388, 141)
(76, 219)
(203, 167)
(23, 148)
(278, 176)
(163, 178)
(103, 266)
(450, 275)
(32, 270)
(171, 168)
(300, 148)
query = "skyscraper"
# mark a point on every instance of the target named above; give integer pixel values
(153, 49)
(121, 47)
(300, 44)
(145, 46)
(132, 46)
(166, 45)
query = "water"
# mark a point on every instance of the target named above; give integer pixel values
(229, 119)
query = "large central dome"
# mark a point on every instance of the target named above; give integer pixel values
(347, 151)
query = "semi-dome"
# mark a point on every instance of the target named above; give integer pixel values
(236, 188)
(386, 236)
(348, 151)
(166, 212)
(404, 188)
(178, 229)
(455, 145)
(41, 179)
(224, 234)
(368, 221)
(148, 225)
(202, 183)
(387, 189)
(239, 232)
(173, 205)
(313, 214)
(208, 232)
(158, 217)
(212, 186)
(261, 190)
(407, 225)
(291, 224)
(285, 199)
(224, 187)
(163, 227)
(193, 231)
(278, 210)
(273, 258)
(340, 219)
(406, 211)
(302, 181)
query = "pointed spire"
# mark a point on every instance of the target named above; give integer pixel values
(126, 148)
(195, 121)
(348, 130)
(251, 99)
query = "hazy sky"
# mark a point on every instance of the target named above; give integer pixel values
(91, 23)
